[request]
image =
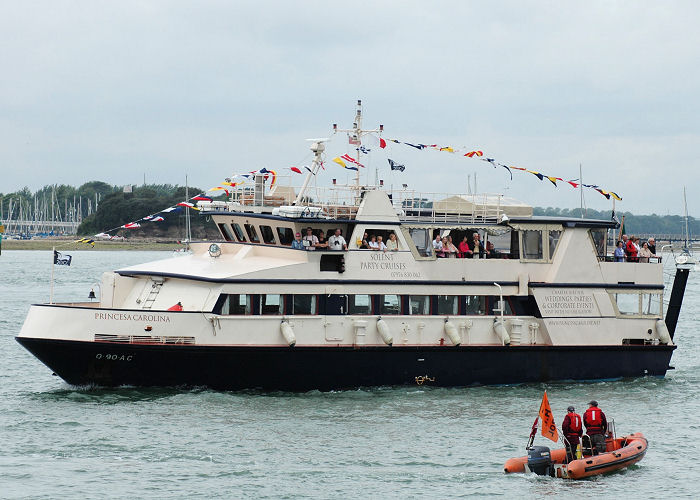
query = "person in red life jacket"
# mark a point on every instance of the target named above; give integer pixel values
(573, 430)
(596, 426)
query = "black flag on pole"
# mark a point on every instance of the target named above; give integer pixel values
(61, 259)
(396, 166)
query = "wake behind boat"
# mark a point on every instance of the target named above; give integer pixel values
(358, 285)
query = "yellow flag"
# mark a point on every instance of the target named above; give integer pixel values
(549, 428)
(340, 162)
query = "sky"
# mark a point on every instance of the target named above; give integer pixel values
(115, 91)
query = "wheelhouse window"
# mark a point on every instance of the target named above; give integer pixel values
(532, 244)
(627, 303)
(267, 234)
(475, 305)
(226, 231)
(285, 235)
(271, 304)
(421, 238)
(447, 304)
(233, 304)
(238, 231)
(252, 233)
(390, 304)
(359, 304)
(651, 304)
(419, 304)
(304, 304)
(599, 237)
(553, 242)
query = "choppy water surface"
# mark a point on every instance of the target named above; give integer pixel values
(61, 441)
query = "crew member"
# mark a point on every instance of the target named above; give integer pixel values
(596, 426)
(573, 430)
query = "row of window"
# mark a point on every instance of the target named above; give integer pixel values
(359, 304)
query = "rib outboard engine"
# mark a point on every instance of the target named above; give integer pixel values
(539, 460)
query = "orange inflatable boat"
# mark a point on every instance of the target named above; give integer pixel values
(621, 452)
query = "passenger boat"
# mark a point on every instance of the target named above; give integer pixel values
(546, 303)
(621, 452)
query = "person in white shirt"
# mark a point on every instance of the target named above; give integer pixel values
(380, 244)
(310, 240)
(372, 244)
(337, 242)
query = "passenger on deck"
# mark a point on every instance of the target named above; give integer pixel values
(645, 253)
(631, 249)
(573, 430)
(297, 243)
(392, 243)
(652, 245)
(620, 251)
(310, 240)
(596, 426)
(380, 244)
(464, 250)
(478, 246)
(364, 243)
(337, 242)
(437, 246)
(322, 242)
(448, 247)
(491, 252)
(373, 243)
(625, 239)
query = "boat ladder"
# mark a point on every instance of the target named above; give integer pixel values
(152, 294)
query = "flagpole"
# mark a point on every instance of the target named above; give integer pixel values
(53, 255)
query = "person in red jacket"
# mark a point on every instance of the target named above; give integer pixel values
(596, 426)
(631, 250)
(573, 430)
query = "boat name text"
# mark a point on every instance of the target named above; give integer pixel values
(163, 318)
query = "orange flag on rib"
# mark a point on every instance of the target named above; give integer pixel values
(549, 428)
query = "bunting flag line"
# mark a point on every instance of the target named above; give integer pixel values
(349, 158)
(171, 209)
(86, 240)
(201, 197)
(396, 166)
(363, 149)
(185, 204)
(131, 225)
(157, 218)
(343, 164)
(477, 153)
(295, 169)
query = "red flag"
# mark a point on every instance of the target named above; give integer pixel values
(382, 143)
(549, 428)
(295, 169)
(131, 225)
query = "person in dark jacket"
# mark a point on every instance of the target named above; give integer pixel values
(573, 430)
(596, 426)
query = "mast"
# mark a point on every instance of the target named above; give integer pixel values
(188, 228)
(355, 136)
(687, 234)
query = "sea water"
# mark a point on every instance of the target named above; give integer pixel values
(58, 441)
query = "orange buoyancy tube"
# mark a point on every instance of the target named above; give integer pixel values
(635, 446)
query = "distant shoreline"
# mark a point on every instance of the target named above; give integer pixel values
(69, 244)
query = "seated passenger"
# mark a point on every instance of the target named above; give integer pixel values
(373, 243)
(380, 244)
(392, 244)
(310, 240)
(337, 242)
(297, 244)
(464, 250)
(620, 251)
